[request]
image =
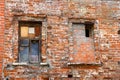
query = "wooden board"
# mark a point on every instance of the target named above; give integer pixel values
(24, 31)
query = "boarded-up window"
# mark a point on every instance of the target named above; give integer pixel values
(83, 45)
(29, 43)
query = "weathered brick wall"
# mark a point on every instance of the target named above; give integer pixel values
(57, 17)
(2, 5)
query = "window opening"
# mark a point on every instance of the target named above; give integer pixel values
(119, 32)
(70, 75)
(89, 30)
(29, 42)
(82, 42)
(87, 33)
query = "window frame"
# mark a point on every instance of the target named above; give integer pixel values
(24, 23)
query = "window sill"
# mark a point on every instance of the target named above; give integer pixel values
(44, 64)
(84, 64)
(20, 64)
(27, 64)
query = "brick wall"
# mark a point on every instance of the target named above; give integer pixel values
(101, 61)
(1, 34)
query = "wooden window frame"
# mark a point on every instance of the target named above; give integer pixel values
(28, 23)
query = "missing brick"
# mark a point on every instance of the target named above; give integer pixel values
(70, 75)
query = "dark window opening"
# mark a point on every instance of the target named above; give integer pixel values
(7, 79)
(88, 30)
(119, 32)
(70, 75)
(118, 62)
(30, 42)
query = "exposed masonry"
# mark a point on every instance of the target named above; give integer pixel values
(2, 20)
(66, 51)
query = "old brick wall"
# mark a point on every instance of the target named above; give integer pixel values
(2, 5)
(58, 44)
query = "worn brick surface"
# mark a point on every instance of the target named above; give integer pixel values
(97, 58)
(2, 25)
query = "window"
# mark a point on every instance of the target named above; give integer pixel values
(82, 42)
(82, 37)
(30, 41)
(89, 30)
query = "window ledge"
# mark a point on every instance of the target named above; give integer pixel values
(84, 64)
(26, 64)
(20, 64)
(44, 64)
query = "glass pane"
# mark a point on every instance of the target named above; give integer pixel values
(24, 54)
(34, 54)
(24, 31)
(24, 42)
(31, 32)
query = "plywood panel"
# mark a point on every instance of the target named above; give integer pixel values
(24, 31)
